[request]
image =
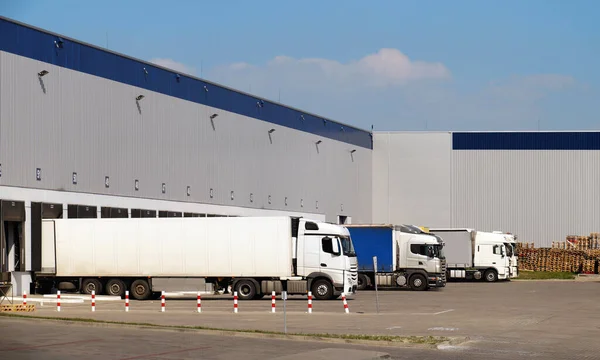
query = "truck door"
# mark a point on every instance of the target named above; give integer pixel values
(330, 257)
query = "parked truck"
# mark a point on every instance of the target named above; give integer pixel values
(406, 257)
(472, 254)
(250, 255)
(510, 242)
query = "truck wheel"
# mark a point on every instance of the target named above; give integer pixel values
(140, 290)
(418, 282)
(363, 281)
(322, 289)
(91, 284)
(245, 289)
(115, 287)
(490, 276)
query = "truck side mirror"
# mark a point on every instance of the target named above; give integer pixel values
(430, 252)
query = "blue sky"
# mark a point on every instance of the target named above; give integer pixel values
(397, 65)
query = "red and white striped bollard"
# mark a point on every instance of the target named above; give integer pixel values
(93, 300)
(345, 303)
(273, 301)
(199, 300)
(235, 302)
(126, 300)
(310, 302)
(162, 301)
(58, 300)
(24, 299)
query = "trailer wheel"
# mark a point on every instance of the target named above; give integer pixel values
(363, 281)
(418, 282)
(115, 287)
(322, 289)
(490, 275)
(246, 289)
(91, 284)
(140, 290)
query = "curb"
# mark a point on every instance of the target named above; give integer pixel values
(248, 334)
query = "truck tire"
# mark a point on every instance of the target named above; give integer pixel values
(87, 285)
(140, 290)
(491, 276)
(115, 287)
(246, 289)
(418, 282)
(322, 289)
(363, 281)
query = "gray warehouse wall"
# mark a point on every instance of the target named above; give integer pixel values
(69, 121)
(412, 178)
(541, 195)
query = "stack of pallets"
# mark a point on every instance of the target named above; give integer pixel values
(579, 254)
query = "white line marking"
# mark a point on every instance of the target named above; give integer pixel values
(443, 312)
(394, 327)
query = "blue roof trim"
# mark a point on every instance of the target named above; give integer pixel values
(526, 141)
(27, 41)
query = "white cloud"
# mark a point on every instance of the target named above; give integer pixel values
(174, 65)
(393, 92)
(387, 67)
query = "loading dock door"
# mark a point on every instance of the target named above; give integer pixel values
(41, 211)
(12, 218)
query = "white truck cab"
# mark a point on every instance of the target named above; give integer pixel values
(326, 251)
(510, 242)
(491, 251)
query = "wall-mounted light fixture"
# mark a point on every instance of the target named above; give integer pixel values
(251, 197)
(74, 178)
(211, 193)
(260, 103)
(342, 128)
(164, 188)
(139, 97)
(341, 207)
(286, 201)
(317, 204)
(231, 194)
(212, 117)
(58, 43)
(205, 88)
(352, 151)
(301, 203)
(43, 73)
(324, 122)
(271, 131)
(269, 199)
(136, 185)
(106, 182)
(145, 71)
(188, 191)
(302, 117)
(38, 174)
(318, 142)
(177, 77)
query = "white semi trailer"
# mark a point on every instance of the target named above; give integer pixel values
(250, 255)
(474, 254)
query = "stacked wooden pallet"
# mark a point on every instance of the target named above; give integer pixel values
(577, 254)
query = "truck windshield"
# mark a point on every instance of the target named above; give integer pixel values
(347, 246)
(509, 249)
(438, 251)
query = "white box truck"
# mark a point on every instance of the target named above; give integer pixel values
(406, 257)
(250, 255)
(472, 254)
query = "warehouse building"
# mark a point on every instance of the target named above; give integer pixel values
(540, 186)
(89, 133)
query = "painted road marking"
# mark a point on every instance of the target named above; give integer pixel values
(394, 327)
(437, 313)
(442, 329)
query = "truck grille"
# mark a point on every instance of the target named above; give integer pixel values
(444, 267)
(354, 273)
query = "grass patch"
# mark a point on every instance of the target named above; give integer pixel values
(424, 340)
(545, 275)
